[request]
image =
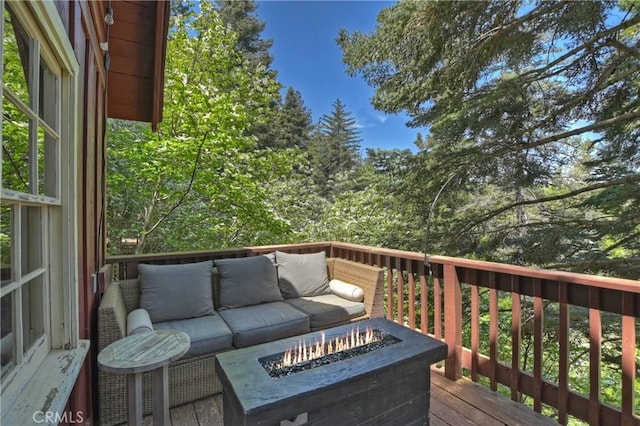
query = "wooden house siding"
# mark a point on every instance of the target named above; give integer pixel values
(137, 42)
(80, 24)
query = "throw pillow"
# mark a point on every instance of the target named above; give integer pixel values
(138, 321)
(301, 275)
(247, 281)
(346, 290)
(171, 292)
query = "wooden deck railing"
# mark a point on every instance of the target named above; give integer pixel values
(483, 309)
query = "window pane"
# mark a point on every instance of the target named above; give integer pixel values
(7, 356)
(31, 239)
(48, 151)
(15, 148)
(41, 160)
(47, 164)
(15, 59)
(6, 246)
(48, 96)
(32, 312)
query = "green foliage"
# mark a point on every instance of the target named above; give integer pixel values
(5, 238)
(15, 125)
(516, 95)
(196, 183)
(296, 200)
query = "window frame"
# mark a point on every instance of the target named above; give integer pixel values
(59, 213)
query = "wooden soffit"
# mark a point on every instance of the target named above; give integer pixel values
(137, 50)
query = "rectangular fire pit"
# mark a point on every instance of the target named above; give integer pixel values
(387, 385)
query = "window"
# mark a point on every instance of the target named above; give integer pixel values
(37, 219)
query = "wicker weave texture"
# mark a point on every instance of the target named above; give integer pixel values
(369, 278)
(112, 317)
(130, 294)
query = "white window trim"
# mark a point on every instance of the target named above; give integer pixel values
(63, 292)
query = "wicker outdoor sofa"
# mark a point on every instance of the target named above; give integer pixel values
(193, 377)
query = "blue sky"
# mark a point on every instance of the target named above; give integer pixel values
(307, 58)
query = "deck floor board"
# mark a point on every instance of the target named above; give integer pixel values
(209, 411)
(452, 403)
(479, 405)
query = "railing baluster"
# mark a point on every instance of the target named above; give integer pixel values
(390, 307)
(516, 331)
(563, 343)
(400, 278)
(595, 345)
(437, 309)
(424, 303)
(538, 327)
(412, 296)
(475, 330)
(628, 359)
(493, 331)
(131, 270)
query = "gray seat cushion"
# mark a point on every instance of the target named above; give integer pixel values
(327, 309)
(208, 333)
(265, 322)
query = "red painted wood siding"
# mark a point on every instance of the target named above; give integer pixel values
(80, 24)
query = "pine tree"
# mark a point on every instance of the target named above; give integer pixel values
(342, 135)
(289, 126)
(335, 146)
(295, 119)
(240, 16)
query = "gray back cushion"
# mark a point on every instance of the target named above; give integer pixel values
(301, 275)
(171, 292)
(247, 281)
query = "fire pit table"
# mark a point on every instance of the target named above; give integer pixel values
(384, 382)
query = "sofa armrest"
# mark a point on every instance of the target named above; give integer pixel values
(369, 278)
(112, 316)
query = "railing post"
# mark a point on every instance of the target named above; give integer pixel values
(390, 295)
(628, 360)
(595, 355)
(453, 323)
(105, 276)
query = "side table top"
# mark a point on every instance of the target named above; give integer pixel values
(143, 352)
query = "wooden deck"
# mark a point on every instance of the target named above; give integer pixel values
(452, 403)
(467, 403)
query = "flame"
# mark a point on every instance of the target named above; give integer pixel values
(304, 352)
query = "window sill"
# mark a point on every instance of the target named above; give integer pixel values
(45, 396)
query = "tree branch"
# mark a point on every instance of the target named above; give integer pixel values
(591, 41)
(533, 14)
(186, 192)
(15, 167)
(591, 127)
(621, 242)
(623, 181)
(624, 48)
